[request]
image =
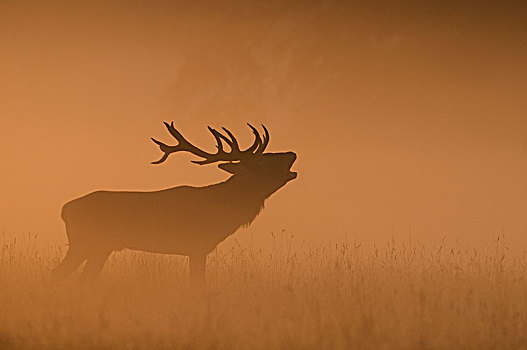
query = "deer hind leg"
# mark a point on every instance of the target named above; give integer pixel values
(95, 264)
(73, 259)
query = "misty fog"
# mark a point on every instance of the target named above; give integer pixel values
(405, 119)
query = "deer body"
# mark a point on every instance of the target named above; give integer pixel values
(181, 220)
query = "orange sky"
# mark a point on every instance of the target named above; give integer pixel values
(409, 116)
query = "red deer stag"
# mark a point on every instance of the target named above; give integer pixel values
(181, 220)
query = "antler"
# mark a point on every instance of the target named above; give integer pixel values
(257, 147)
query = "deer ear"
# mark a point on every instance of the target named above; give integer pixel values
(232, 168)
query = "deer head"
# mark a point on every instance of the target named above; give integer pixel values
(267, 170)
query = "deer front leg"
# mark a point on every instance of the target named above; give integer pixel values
(197, 268)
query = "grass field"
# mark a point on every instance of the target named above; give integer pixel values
(296, 296)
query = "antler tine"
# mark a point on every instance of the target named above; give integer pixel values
(265, 142)
(173, 131)
(233, 143)
(257, 140)
(165, 148)
(217, 136)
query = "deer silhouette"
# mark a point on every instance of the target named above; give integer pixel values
(182, 220)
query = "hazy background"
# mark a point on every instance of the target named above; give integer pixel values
(408, 117)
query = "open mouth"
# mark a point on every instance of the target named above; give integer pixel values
(292, 174)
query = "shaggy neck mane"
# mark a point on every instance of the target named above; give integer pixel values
(247, 196)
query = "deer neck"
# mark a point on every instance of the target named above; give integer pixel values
(246, 189)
